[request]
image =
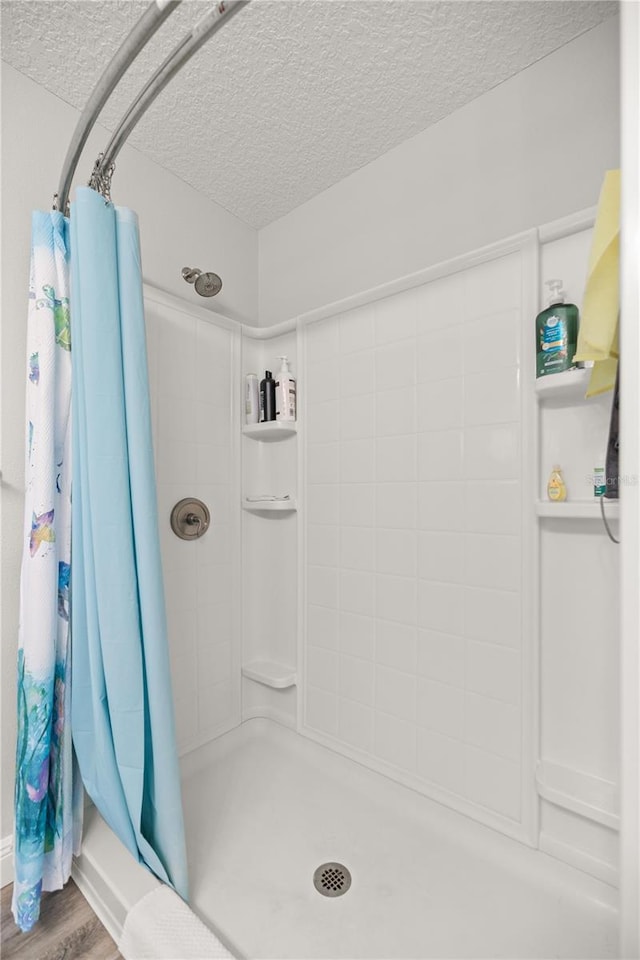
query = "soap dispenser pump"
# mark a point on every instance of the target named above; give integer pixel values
(285, 393)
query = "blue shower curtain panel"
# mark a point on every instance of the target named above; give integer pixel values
(48, 810)
(122, 714)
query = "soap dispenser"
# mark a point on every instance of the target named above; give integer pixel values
(556, 333)
(285, 393)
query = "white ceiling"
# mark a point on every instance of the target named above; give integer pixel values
(291, 95)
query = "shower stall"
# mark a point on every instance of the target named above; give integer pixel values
(395, 663)
(398, 643)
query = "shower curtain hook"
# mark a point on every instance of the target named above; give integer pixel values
(55, 206)
(100, 179)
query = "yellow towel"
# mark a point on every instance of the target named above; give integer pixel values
(598, 334)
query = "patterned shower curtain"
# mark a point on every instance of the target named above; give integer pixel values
(48, 804)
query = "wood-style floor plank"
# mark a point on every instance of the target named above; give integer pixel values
(68, 929)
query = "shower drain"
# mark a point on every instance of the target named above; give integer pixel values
(332, 879)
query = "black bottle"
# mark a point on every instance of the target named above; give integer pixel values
(267, 398)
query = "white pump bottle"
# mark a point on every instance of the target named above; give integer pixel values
(285, 393)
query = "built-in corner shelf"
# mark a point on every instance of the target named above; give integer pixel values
(270, 506)
(577, 509)
(270, 674)
(567, 387)
(270, 431)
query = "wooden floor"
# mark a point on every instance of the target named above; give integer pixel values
(68, 929)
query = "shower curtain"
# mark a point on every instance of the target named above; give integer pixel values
(48, 810)
(122, 713)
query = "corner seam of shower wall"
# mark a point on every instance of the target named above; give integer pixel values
(301, 394)
(236, 449)
(530, 575)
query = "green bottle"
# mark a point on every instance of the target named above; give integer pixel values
(556, 333)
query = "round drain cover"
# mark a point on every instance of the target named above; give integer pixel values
(332, 879)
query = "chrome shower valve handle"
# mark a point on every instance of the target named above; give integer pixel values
(190, 519)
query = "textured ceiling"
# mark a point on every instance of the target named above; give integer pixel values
(292, 95)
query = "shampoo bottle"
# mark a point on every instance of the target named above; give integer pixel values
(556, 333)
(267, 398)
(285, 393)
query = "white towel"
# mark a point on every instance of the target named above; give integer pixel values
(162, 927)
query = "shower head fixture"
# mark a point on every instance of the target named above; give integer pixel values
(207, 284)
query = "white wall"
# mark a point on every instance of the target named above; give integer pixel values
(178, 226)
(193, 377)
(530, 151)
(579, 619)
(416, 647)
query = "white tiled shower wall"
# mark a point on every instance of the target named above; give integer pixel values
(190, 363)
(413, 647)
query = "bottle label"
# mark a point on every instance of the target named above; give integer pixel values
(286, 400)
(555, 343)
(554, 335)
(556, 489)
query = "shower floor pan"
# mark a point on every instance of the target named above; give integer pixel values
(265, 808)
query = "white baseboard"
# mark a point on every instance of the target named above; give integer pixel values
(6, 861)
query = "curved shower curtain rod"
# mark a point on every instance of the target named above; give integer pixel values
(152, 18)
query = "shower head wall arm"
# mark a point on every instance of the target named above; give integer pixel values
(191, 274)
(204, 29)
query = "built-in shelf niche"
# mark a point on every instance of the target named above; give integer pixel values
(567, 387)
(270, 506)
(270, 431)
(278, 676)
(577, 509)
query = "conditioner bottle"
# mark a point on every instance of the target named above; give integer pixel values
(285, 393)
(267, 398)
